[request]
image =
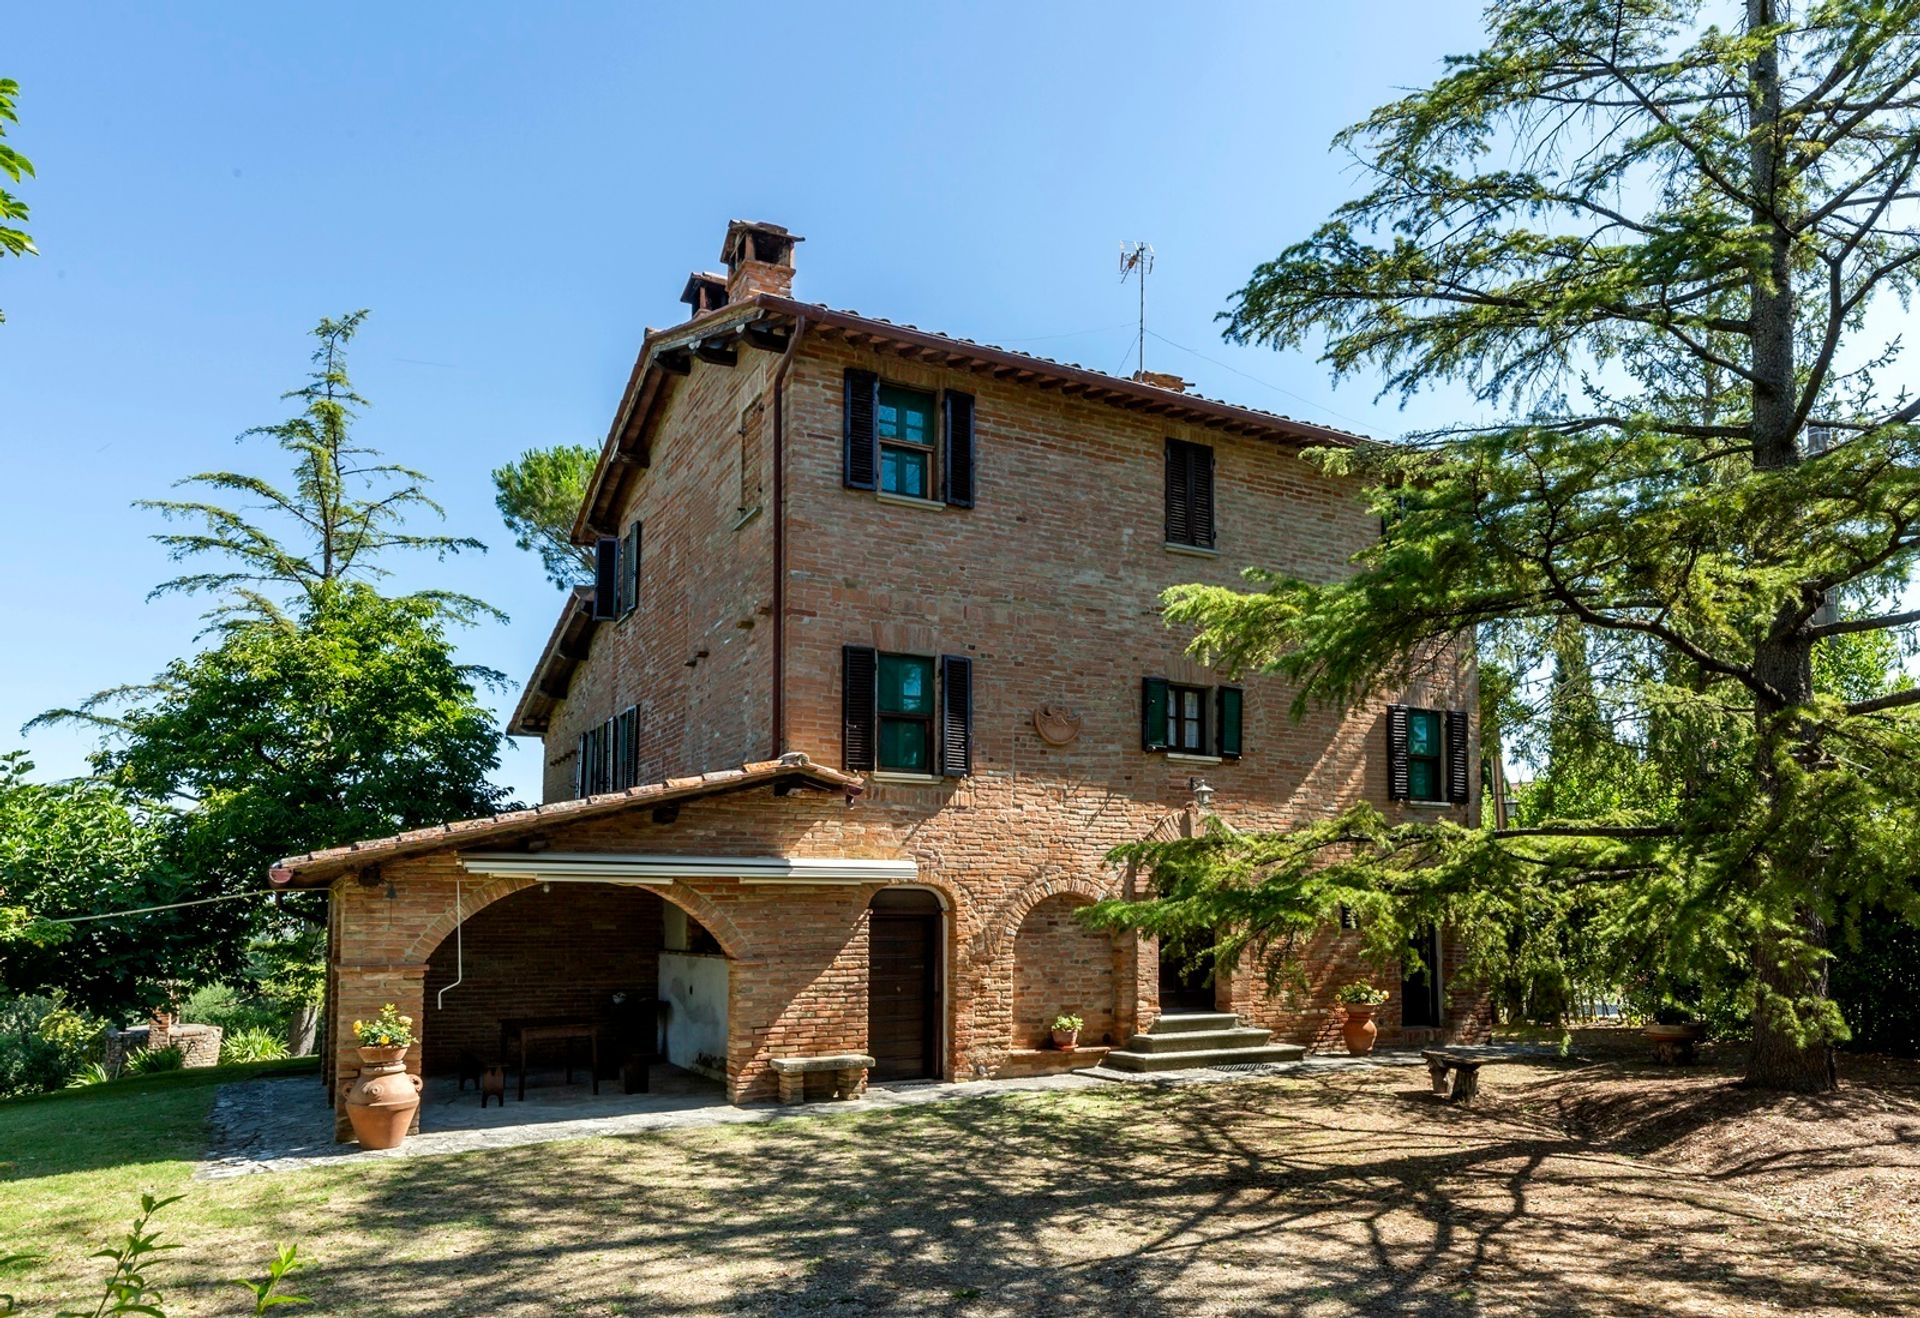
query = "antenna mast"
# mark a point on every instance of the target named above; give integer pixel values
(1137, 258)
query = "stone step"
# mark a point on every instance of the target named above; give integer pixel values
(1121, 1060)
(1185, 1021)
(1193, 1041)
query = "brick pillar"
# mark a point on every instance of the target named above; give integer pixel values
(363, 989)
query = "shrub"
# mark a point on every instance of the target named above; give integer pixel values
(152, 1061)
(1070, 1024)
(42, 1042)
(252, 1045)
(232, 1009)
(93, 1073)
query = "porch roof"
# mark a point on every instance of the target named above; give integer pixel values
(318, 868)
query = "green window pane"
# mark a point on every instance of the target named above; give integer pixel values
(903, 745)
(905, 415)
(1423, 734)
(903, 471)
(1423, 780)
(906, 684)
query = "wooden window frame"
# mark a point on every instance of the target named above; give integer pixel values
(930, 450)
(931, 760)
(1177, 721)
(1437, 758)
(1194, 457)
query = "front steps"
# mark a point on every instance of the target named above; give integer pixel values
(1192, 1039)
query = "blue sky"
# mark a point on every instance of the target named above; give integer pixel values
(518, 191)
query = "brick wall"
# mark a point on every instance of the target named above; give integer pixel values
(540, 953)
(1062, 967)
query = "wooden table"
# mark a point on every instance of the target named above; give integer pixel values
(524, 1030)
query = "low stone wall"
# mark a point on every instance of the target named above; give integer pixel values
(199, 1045)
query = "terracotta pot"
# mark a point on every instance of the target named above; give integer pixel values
(383, 1100)
(1673, 1044)
(1065, 1040)
(1358, 1029)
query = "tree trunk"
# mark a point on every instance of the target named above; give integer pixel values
(1783, 1056)
(301, 1028)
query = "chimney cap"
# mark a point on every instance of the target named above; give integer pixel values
(705, 291)
(772, 243)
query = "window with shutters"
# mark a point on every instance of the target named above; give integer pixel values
(1191, 720)
(608, 756)
(616, 575)
(907, 713)
(1428, 755)
(908, 443)
(1189, 494)
(752, 420)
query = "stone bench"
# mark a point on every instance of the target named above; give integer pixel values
(1465, 1071)
(849, 1071)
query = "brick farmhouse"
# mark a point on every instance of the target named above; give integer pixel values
(872, 678)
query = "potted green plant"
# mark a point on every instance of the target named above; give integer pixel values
(1358, 1030)
(1066, 1032)
(382, 1102)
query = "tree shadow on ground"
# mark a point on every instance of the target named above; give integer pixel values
(1351, 1194)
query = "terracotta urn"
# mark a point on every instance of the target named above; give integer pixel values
(1066, 1040)
(383, 1100)
(1358, 1029)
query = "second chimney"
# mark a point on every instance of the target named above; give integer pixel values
(759, 259)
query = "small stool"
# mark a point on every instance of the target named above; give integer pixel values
(493, 1083)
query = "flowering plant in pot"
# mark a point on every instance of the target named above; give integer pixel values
(382, 1102)
(1358, 1030)
(1066, 1032)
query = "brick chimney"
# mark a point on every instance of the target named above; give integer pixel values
(705, 291)
(759, 259)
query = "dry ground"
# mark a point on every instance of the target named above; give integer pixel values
(1571, 1188)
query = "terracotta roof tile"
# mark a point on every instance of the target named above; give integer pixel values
(318, 867)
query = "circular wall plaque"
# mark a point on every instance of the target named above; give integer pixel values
(1056, 724)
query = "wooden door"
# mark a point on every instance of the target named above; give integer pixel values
(1421, 1004)
(903, 986)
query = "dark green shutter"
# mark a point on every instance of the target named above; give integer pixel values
(956, 715)
(956, 472)
(1227, 703)
(606, 577)
(1458, 779)
(630, 571)
(862, 461)
(859, 666)
(1397, 788)
(1153, 713)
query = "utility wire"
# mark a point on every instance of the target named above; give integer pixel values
(1267, 384)
(170, 906)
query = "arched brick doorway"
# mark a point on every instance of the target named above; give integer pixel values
(1061, 967)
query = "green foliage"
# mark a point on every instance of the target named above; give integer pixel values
(84, 848)
(1652, 238)
(252, 1044)
(90, 1073)
(349, 720)
(13, 241)
(155, 1061)
(42, 1043)
(343, 512)
(127, 1289)
(1876, 983)
(231, 1008)
(1360, 994)
(266, 1292)
(539, 494)
(1070, 1024)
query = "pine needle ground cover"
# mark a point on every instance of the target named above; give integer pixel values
(1350, 1192)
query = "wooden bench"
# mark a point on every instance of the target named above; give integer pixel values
(1465, 1071)
(849, 1071)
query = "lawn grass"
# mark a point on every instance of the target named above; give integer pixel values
(1343, 1193)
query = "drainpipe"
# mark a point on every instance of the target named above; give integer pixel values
(780, 541)
(459, 950)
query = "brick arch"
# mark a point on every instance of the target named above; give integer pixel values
(998, 938)
(485, 893)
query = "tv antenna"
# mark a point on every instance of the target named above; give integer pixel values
(1137, 259)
